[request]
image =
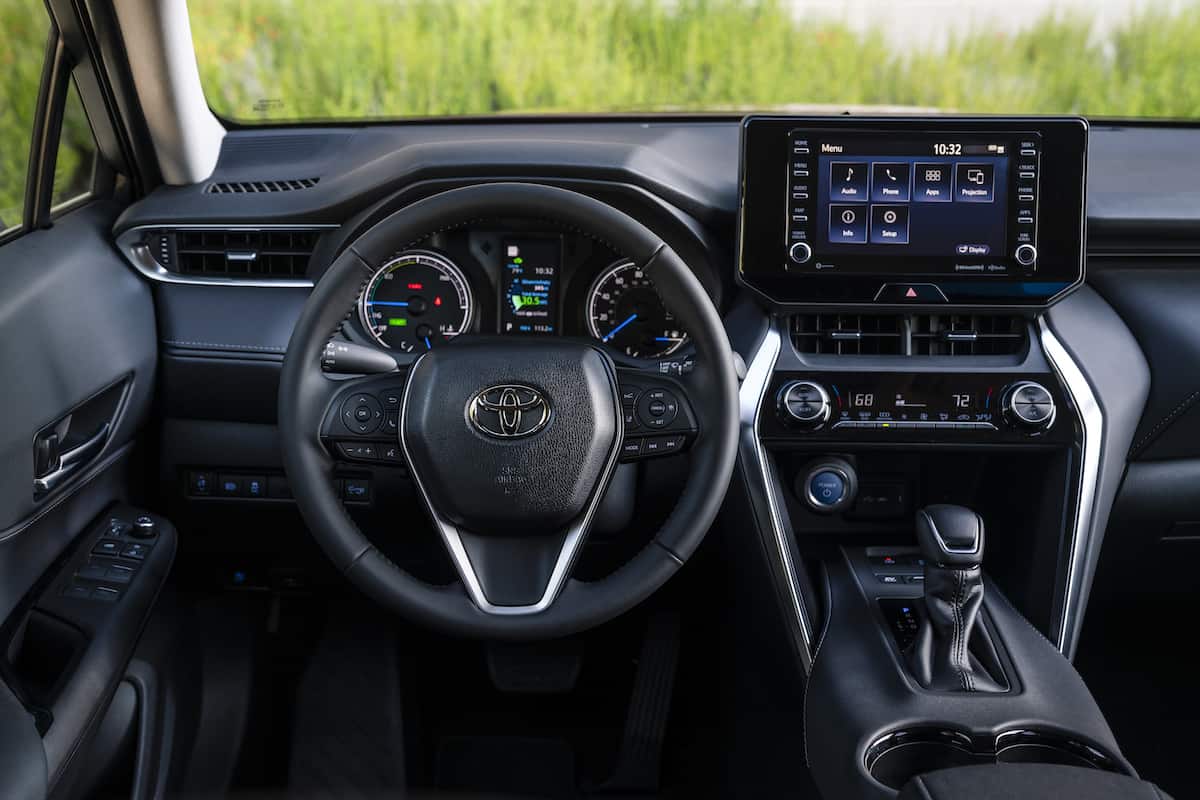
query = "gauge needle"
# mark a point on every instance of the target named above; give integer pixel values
(428, 346)
(399, 303)
(617, 329)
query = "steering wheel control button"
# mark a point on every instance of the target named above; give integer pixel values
(804, 405)
(631, 448)
(391, 452)
(1026, 255)
(362, 414)
(631, 421)
(800, 252)
(629, 397)
(662, 445)
(390, 398)
(657, 408)
(357, 451)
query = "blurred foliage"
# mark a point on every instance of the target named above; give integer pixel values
(25, 25)
(273, 60)
(264, 60)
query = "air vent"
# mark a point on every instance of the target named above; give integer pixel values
(849, 334)
(244, 253)
(909, 334)
(967, 334)
(257, 187)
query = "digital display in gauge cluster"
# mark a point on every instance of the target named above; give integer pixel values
(529, 300)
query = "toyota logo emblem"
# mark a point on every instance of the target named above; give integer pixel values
(509, 411)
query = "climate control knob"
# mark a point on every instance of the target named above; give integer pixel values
(804, 405)
(1029, 406)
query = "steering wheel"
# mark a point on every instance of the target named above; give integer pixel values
(512, 442)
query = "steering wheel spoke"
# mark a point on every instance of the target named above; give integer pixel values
(659, 419)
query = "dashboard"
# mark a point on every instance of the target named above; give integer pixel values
(519, 280)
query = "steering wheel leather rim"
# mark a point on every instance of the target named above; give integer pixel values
(304, 392)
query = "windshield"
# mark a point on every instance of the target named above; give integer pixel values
(287, 60)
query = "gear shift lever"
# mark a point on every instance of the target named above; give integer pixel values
(951, 540)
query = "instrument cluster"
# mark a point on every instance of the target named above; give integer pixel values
(516, 281)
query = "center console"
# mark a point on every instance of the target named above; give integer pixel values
(911, 391)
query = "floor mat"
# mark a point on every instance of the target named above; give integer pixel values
(524, 766)
(347, 739)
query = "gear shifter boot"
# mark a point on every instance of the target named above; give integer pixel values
(941, 657)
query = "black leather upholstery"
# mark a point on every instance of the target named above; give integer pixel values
(1028, 782)
(941, 657)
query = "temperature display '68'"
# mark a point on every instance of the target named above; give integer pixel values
(416, 301)
(624, 310)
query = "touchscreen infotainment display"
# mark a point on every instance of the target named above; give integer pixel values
(912, 211)
(928, 198)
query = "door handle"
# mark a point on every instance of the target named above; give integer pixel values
(70, 461)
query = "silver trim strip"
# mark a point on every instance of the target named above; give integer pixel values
(1092, 421)
(572, 541)
(762, 482)
(130, 245)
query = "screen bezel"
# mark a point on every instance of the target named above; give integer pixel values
(763, 265)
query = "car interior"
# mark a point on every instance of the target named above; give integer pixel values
(807, 452)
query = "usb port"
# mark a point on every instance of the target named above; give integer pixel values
(1025, 197)
(1026, 174)
(1029, 152)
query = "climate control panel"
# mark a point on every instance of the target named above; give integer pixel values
(887, 406)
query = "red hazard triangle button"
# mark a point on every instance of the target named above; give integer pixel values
(908, 293)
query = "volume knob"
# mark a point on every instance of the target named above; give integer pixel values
(1029, 406)
(804, 405)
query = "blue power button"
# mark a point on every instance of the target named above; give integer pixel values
(826, 488)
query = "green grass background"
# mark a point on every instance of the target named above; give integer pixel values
(271, 60)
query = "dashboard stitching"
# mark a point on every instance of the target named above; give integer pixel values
(1187, 403)
(224, 346)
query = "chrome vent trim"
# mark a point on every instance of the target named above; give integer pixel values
(151, 249)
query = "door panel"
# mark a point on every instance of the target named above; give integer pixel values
(77, 359)
(74, 320)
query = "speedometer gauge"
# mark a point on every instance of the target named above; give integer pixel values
(625, 311)
(416, 301)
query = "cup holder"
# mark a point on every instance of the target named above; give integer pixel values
(894, 758)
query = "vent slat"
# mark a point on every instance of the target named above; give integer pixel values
(256, 187)
(249, 254)
(909, 334)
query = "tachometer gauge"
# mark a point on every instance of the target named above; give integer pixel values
(625, 311)
(416, 301)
